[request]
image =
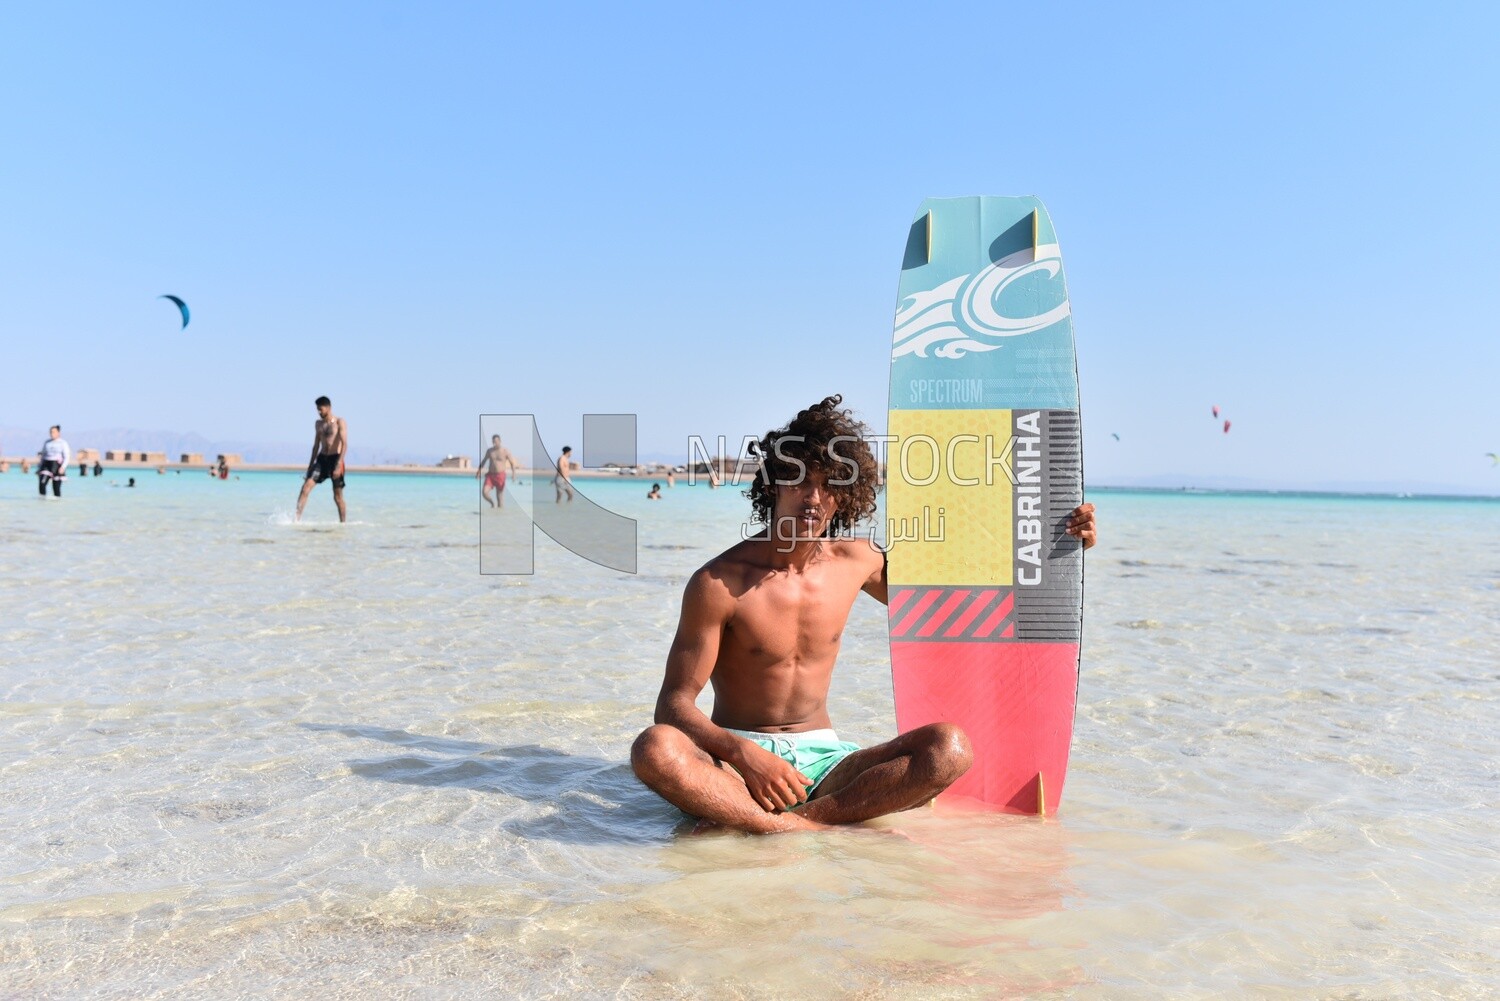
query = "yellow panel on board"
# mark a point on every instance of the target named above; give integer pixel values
(963, 515)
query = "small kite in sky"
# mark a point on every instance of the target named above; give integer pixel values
(1494, 459)
(1216, 410)
(1226, 427)
(1114, 436)
(181, 307)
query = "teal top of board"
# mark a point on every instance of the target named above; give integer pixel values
(983, 320)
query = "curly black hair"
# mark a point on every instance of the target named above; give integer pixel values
(831, 441)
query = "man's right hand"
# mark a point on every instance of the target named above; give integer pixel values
(772, 781)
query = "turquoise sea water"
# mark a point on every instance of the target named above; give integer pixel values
(246, 757)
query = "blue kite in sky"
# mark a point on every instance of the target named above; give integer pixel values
(181, 306)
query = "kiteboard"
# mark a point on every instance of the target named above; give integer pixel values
(982, 474)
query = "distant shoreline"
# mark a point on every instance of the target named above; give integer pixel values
(408, 469)
(412, 469)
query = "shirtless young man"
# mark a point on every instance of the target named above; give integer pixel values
(563, 481)
(330, 445)
(498, 459)
(762, 622)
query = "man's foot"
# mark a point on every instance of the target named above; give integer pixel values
(788, 822)
(803, 824)
(793, 824)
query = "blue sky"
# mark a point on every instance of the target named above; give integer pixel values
(696, 213)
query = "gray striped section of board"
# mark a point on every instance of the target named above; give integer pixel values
(1049, 612)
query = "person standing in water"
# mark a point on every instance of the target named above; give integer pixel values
(563, 481)
(498, 459)
(330, 446)
(56, 456)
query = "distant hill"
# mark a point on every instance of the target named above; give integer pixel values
(16, 442)
(1189, 481)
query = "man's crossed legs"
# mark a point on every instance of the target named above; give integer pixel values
(898, 775)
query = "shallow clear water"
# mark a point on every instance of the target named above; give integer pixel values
(244, 757)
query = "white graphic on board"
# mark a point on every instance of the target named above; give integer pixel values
(961, 315)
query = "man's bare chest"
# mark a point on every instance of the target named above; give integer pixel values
(786, 617)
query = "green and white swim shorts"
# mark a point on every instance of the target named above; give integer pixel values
(814, 753)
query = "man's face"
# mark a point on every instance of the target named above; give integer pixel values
(324, 410)
(55, 433)
(495, 441)
(809, 504)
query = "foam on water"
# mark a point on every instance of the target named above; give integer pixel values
(244, 760)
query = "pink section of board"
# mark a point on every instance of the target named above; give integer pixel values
(1014, 700)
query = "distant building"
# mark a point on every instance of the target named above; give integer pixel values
(86, 455)
(230, 458)
(146, 458)
(455, 462)
(192, 459)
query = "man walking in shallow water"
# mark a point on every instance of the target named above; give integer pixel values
(762, 623)
(330, 445)
(498, 460)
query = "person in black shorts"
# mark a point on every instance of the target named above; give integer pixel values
(330, 445)
(55, 455)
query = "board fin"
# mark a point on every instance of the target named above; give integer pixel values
(1041, 796)
(918, 242)
(1036, 228)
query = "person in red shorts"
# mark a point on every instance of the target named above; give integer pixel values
(498, 459)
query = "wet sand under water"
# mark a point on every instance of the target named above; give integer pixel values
(245, 757)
